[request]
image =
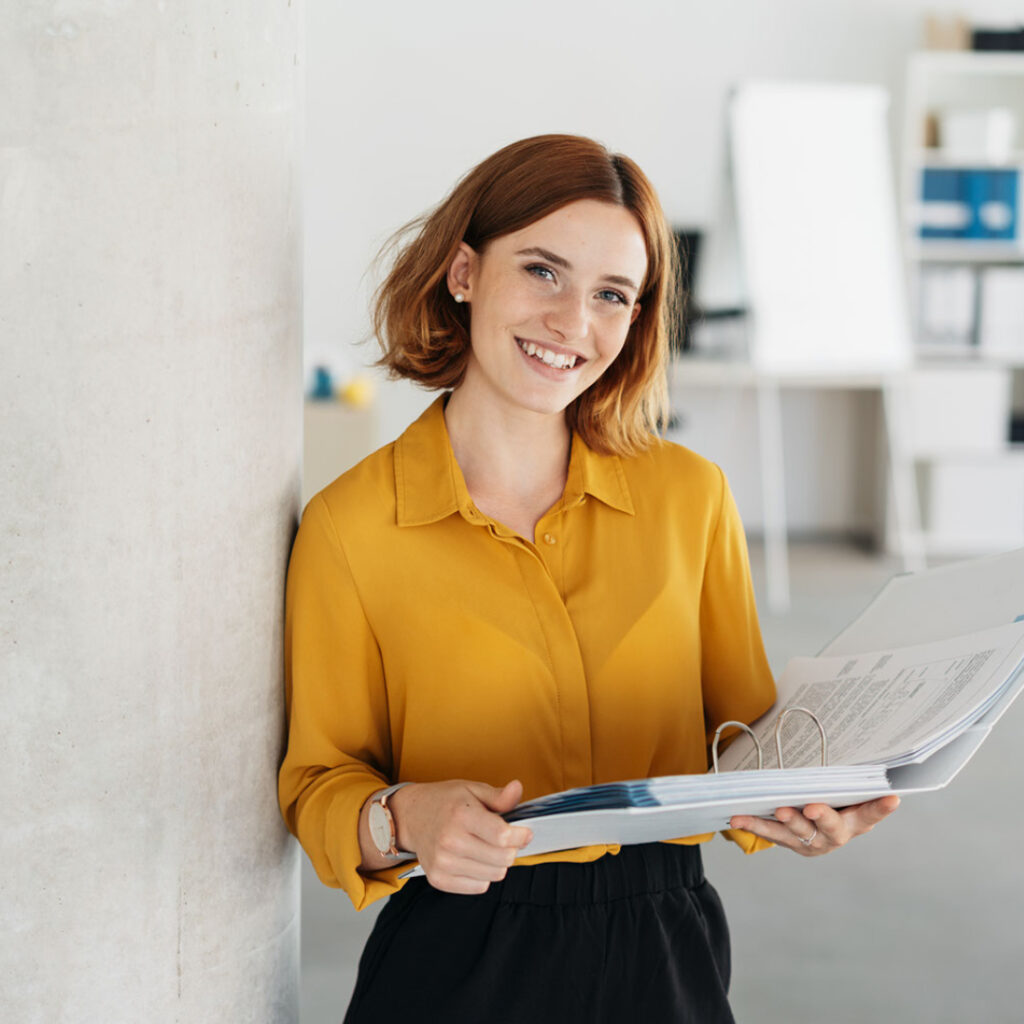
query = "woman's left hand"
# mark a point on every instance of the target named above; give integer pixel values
(818, 828)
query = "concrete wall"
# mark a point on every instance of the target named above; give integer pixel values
(150, 310)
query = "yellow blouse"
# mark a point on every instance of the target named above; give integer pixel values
(425, 641)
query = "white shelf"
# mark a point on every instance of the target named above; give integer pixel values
(1011, 454)
(967, 250)
(933, 156)
(967, 62)
(970, 480)
(942, 545)
(936, 354)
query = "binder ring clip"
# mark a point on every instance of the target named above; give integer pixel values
(781, 717)
(746, 728)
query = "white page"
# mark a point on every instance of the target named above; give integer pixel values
(949, 601)
(884, 706)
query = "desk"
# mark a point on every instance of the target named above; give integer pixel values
(703, 372)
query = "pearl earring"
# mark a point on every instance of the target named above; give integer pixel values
(459, 297)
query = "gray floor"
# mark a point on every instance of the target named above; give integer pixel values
(923, 920)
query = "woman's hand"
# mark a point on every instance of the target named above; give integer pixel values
(456, 830)
(819, 829)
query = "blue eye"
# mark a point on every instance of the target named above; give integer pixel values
(539, 270)
(609, 295)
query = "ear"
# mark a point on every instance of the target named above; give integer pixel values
(462, 271)
(634, 314)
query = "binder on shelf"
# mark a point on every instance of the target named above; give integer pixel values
(969, 203)
(1001, 305)
(947, 299)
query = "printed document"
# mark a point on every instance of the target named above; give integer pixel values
(891, 707)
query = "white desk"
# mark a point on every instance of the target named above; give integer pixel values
(696, 371)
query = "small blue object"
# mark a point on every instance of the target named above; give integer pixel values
(323, 385)
(1020, 618)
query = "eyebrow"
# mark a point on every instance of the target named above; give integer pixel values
(560, 261)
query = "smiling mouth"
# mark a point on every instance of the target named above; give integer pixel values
(556, 360)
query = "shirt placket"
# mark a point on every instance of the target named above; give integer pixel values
(542, 569)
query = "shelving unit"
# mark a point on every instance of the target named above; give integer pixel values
(963, 393)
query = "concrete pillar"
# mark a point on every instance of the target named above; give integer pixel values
(150, 419)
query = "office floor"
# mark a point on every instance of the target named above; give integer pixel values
(923, 920)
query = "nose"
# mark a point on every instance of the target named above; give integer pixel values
(569, 314)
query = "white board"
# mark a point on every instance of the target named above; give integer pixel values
(818, 228)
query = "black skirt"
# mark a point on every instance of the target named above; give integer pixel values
(639, 935)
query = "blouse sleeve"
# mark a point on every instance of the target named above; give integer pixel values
(338, 749)
(737, 680)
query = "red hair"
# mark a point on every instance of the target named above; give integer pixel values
(425, 334)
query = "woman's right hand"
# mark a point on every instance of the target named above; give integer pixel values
(456, 830)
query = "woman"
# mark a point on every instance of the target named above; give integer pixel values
(527, 591)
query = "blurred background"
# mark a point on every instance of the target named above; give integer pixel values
(921, 920)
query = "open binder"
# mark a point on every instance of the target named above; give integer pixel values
(897, 703)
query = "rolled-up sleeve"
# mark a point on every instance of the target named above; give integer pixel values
(338, 749)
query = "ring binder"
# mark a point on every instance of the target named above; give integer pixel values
(746, 728)
(780, 719)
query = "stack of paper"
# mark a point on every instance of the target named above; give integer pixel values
(646, 810)
(801, 783)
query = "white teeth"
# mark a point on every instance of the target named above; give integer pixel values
(546, 356)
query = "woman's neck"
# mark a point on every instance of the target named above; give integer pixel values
(514, 461)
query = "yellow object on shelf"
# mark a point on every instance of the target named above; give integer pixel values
(357, 391)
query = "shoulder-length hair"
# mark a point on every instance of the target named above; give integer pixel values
(425, 335)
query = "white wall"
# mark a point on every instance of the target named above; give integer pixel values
(404, 97)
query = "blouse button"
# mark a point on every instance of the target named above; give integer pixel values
(549, 539)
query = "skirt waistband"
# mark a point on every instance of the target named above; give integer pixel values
(633, 871)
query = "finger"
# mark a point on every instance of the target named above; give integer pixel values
(465, 849)
(803, 828)
(489, 825)
(863, 817)
(830, 823)
(459, 884)
(466, 860)
(876, 810)
(442, 873)
(775, 831)
(473, 818)
(498, 800)
(493, 829)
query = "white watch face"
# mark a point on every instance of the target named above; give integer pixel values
(380, 827)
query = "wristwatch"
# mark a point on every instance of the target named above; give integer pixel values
(382, 825)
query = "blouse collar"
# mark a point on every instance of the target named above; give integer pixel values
(429, 485)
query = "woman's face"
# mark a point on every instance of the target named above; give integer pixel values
(550, 305)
